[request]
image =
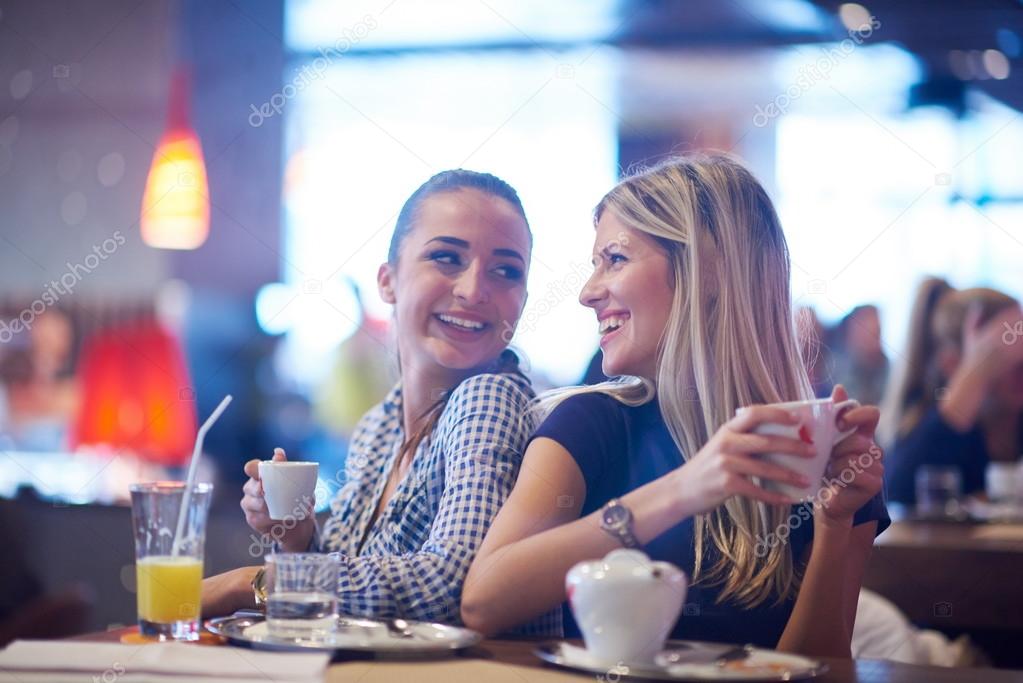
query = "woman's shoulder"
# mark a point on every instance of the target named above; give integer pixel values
(495, 397)
(489, 386)
(587, 406)
(592, 427)
(493, 407)
(584, 421)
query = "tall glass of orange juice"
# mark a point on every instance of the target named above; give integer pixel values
(169, 583)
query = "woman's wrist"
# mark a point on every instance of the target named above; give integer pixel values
(657, 506)
(835, 528)
(297, 540)
(225, 593)
(244, 595)
(682, 506)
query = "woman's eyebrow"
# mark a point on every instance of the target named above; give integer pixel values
(454, 241)
(510, 253)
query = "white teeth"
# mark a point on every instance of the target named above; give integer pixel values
(461, 322)
(612, 323)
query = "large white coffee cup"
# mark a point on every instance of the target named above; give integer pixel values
(289, 488)
(625, 604)
(818, 425)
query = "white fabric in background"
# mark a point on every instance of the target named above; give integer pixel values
(883, 632)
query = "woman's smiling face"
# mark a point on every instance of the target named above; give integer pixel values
(459, 285)
(631, 293)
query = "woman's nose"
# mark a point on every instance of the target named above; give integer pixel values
(593, 291)
(471, 286)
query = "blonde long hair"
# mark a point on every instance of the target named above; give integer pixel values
(729, 341)
(936, 327)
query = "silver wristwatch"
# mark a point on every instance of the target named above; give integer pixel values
(616, 519)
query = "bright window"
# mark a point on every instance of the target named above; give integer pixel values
(874, 197)
(360, 138)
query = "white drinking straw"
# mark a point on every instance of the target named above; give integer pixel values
(192, 466)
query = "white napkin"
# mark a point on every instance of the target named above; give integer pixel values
(27, 661)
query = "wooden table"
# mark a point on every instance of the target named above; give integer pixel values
(512, 661)
(952, 576)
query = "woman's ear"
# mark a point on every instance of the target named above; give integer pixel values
(385, 283)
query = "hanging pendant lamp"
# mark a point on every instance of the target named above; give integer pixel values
(176, 206)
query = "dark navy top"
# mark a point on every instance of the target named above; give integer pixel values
(935, 442)
(619, 448)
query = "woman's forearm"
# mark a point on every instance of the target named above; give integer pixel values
(526, 578)
(224, 593)
(818, 625)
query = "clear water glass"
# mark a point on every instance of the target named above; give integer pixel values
(301, 599)
(939, 489)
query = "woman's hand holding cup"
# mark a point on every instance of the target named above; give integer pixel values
(855, 471)
(292, 534)
(727, 464)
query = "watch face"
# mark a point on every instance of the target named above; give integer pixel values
(615, 515)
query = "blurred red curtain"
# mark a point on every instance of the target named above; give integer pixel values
(136, 394)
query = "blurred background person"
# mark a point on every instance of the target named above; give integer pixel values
(958, 397)
(860, 364)
(364, 371)
(40, 393)
(815, 353)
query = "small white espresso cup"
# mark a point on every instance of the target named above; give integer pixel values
(289, 488)
(625, 604)
(818, 425)
(1003, 481)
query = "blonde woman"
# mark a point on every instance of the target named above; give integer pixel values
(691, 291)
(964, 348)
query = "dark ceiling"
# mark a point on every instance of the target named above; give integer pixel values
(948, 36)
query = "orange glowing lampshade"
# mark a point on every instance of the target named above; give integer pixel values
(136, 394)
(176, 205)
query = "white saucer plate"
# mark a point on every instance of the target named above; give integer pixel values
(687, 661)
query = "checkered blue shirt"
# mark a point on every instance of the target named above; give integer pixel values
(417, 553)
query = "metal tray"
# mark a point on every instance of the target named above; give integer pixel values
(353, 635)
